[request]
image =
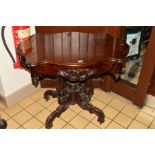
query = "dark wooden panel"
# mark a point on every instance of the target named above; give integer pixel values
(125, 89)
(152, 85)
(57, 46)
(83, 42)
(114, 31)
(66, 44)
(75, 46)
(49, 48)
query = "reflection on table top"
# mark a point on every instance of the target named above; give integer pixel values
(68, 48)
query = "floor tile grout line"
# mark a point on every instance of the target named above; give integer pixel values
(28, 113)
(29, 120)
(135, 118)
(66, 124)
(116, 123)
(74, 117)
(148, 113)
(14, 120)
(14, 114)
(5, 114)
(69, 120)
(89, 121)
(101, 127)
(104, 102)
(142, 122)
(151, 123)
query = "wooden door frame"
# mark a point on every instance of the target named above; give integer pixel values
(137, 94)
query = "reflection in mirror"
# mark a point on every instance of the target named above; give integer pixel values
(137, 37)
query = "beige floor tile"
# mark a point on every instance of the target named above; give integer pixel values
(149, 111)
(12, 124)
(110, 112)
(103, 125)
(137, 125)
(58, 123)
(75, 108)
(114, 125)
(43, 115)
(43, 127)
(113, 94)
(68, 126)
(4, 115)
(123, 120)
(87, 115)
(45, 103)
(117, 104)
(144, 118)
(98, 104)
(34, 109)
(78, 122)
(97, 92)
(131, 110)
(91, 126)
(25, 102)
(121, 98)
(53, 106)
(152, 126)
(37, 95)
(13, 110)
(150, 101)
(2, 106)
(33, 124)
(22, 117)
(105, 97)
(68, 115)
(20, 127)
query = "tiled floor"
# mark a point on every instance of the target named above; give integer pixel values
(120, 113)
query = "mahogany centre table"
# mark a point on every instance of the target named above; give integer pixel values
(73, 59)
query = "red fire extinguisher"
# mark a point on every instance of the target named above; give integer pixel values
(20, 34)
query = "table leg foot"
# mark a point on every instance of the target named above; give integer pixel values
(53, 115)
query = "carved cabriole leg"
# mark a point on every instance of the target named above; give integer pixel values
(54, 114)
(85, 94)
(63, 100)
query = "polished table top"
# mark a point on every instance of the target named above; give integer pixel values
(69, 48)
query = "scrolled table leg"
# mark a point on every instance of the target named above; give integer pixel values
(53, 115)
(85, 95)
(63, 100)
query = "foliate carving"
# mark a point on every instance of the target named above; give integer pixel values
(77, 75)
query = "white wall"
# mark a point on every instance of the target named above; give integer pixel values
(11, 79)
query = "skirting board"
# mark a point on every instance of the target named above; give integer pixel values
(17, 96)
